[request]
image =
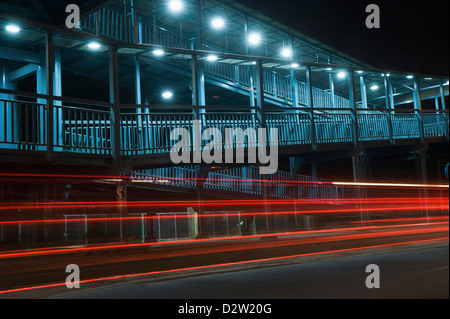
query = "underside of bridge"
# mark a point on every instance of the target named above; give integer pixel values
(86, 115)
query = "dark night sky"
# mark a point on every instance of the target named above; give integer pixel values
(414, 36)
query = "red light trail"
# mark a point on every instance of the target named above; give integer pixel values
(63, 249)
(254, 261)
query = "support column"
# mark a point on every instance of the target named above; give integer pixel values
(6, 110)
(260, 111)
(387, 96)
(57, 91)
(418, 107)
(49, 80)
(41, 88)
(360, 175)
(353, 105)
(201, 175)
(311, 106)
(198, 83)
(422, 177)
(363, 91)
(294, 88)
(121, 195)
(199, 27)
(295, 167)
(115, 107)
(141, 117)
(444, 107)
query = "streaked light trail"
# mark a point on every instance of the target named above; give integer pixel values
(254, 261)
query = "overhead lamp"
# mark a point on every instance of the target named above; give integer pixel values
(167, 95)
(409, 76)
(374, 87)
(295, 65)
(12, 28)
(211, 58)
(218, 23)
(254, 39)
(176, 5)
(158, 52)
(360, 72)
(286, 52)
(341, 75)
(94, 45)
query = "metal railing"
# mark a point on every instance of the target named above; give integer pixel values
(247, 180)
(23, 124)
(435, 124)
(373, 126)
(82, 126)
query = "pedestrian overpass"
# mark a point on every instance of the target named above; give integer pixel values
(318, 100)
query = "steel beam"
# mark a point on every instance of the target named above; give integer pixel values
(115, 108)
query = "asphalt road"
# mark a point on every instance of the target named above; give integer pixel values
(413, 273)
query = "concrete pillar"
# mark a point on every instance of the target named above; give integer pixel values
(422, 178)
(201, 175)
(359, 163)
(121, 196)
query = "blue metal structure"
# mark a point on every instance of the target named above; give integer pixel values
(241, 71)
(108, 94)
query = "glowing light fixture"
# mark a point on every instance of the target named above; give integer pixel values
(176, 5)
(294, 65)
(409, 77)
(94, 45)
(158, 52)
(374, 87)
(341, 75)
(212, 58)
(218, 23)
(167, 95)
(12, 28)
(286, 52)
(254, 39)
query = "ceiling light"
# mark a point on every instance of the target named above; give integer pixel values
(254, 39)
(212, 58)
(286, 52)
(158, 52)
(167, 95)
(176, 5)
(341, 75)
(294, 65)
(218, 23)
(12, 28)
(374, 87)
(94, 45)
